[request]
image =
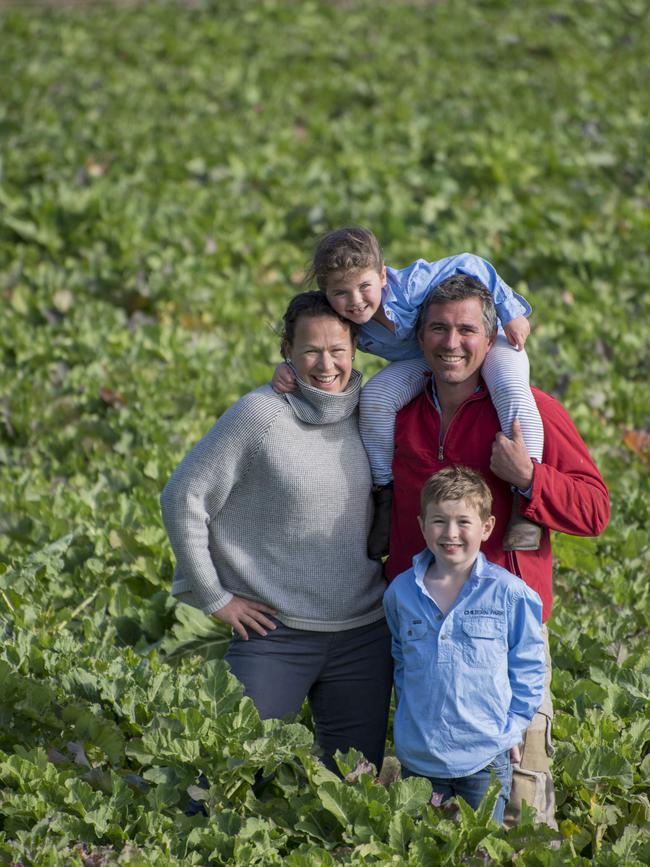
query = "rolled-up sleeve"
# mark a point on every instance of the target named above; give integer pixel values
(422, 277)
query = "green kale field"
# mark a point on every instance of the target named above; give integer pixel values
(165, 168)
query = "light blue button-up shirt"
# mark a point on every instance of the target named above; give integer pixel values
(405, 290)
(468, 683)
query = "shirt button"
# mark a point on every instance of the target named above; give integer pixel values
(443, 637)
(438, 616)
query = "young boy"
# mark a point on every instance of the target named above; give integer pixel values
(467, 647)
(348, 266)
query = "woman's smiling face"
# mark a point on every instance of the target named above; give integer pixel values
(321, 352)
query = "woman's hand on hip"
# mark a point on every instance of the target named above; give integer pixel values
(241, 613)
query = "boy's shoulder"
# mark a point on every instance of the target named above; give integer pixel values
(401, 584)
(494, 570)
(511, 583)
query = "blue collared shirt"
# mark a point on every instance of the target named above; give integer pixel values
(405, 290)
(468, 683)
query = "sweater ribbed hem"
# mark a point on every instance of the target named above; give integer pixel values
(332, 625)
(207, 602)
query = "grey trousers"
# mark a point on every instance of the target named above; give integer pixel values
(346, 676)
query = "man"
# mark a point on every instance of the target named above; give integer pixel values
(453, 422)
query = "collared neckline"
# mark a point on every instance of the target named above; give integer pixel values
(421, 562)
(433, 393)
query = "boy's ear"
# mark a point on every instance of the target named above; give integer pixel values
(421, 524)
(382, 275)
(488, 526)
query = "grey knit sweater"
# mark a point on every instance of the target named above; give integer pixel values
(274, 505)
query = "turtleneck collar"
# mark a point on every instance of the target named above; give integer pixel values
(313, 406)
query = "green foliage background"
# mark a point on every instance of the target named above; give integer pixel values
(165, 170)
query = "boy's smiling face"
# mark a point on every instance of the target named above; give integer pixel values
(356, 295)
(453, 531)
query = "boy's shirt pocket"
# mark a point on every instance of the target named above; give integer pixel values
(483, 639)
(413, 637)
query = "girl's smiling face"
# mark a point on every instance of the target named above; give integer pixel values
(356, 295)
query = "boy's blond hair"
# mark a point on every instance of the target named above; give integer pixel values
(457, 483)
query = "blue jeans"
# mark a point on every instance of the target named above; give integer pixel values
(346, 676)
(473, 788)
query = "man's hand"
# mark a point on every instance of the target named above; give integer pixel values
(517, 331)
(283, 380)
(239, 613)
(510, 460)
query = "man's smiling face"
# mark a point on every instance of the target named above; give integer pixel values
(454, 342)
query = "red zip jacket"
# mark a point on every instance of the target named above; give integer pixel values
(568, 495)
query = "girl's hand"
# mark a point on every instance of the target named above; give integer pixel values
(283, 380)
(517, 331)
(515, 755)
(241, 613)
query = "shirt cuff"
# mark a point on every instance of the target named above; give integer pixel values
(511, 308)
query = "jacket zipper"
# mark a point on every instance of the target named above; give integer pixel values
(441, 440)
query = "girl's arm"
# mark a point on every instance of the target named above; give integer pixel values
(418, 279)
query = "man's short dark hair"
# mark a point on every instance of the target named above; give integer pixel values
(460, 287)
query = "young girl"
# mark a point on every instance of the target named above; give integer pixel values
(348, 266)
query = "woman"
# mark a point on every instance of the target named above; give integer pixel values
(268, 517)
